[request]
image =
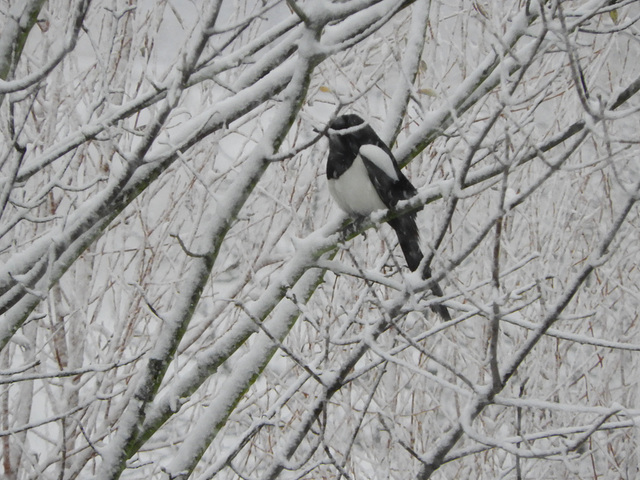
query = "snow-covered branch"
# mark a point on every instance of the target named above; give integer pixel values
(179, 297)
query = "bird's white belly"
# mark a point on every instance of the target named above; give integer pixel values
(353, 191)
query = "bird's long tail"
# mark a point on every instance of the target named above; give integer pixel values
(407, 231)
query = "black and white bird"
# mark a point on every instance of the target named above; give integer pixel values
(364, 176)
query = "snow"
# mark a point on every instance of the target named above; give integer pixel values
(261, 329)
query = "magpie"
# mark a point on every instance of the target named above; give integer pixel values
(363, 176)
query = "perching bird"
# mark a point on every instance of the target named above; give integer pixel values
(364, 176)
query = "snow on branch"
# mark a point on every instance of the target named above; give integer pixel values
(179, 297)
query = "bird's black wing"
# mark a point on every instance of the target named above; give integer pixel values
(389, 181)
(392, 186)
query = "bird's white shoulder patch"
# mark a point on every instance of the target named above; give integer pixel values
(380, 159)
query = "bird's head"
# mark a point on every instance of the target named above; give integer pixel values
(347, 133)
(345, 122)
(346, 125)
